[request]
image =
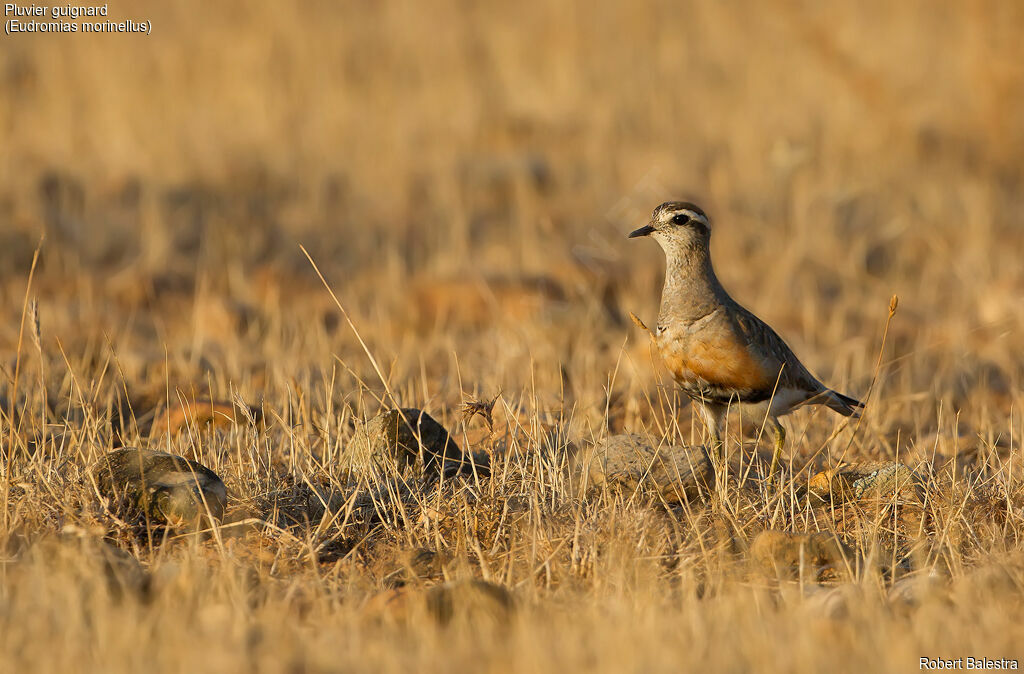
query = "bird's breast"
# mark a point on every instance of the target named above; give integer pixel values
(716, 361)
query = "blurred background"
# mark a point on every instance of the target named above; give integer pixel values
(464, 174)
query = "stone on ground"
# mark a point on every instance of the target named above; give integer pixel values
(409, 436)
(866, 481)
(630, 464)
(168, 489)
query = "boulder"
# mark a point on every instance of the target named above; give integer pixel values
(871, 492)
(630, 464)
(168, 489)
(866, 481)
(886, 480)
(408, 436)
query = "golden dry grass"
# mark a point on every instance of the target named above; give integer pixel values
(464, 175)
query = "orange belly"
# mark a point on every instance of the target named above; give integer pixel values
(722, 363)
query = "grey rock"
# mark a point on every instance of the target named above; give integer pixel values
(885, 480)
(400, 438)
(629, 463)
(866, 481)
(167, 488)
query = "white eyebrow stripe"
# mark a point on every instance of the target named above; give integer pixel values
(694, 216)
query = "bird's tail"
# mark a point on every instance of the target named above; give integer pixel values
(845, 405)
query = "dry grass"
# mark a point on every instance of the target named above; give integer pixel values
(464, 176)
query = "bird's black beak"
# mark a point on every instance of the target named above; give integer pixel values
(643, 231)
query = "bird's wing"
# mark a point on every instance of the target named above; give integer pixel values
(774, 354)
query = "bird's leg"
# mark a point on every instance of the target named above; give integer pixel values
(780, 441)
(713, 419)
(717, 440)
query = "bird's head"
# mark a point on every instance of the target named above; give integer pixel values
(677, 224)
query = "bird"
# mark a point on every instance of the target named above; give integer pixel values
(718, 352)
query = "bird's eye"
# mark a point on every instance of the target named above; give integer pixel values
(681, 219)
